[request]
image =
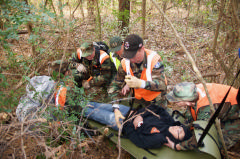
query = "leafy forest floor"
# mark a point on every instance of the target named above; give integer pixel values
(20, 141)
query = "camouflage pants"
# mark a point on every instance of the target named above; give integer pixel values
(231, 132)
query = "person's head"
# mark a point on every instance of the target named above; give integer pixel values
(87, 50)
(179, 132)
(183, 94)
(116, 45)
(133, 48)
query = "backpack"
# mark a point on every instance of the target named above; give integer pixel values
(101, 46)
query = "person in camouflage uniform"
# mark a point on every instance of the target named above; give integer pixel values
(99, 68)
(194, 98)
(140, 70)
(116, 50)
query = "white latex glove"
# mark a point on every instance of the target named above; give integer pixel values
(81, 68)
(134, 82)
(85, 84)
(125, 90)
(118, 115)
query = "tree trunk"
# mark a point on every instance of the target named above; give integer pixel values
(164, 6)
(99, 22)
(198, 10)
(124, 15)
(29, 28)
(80, 6)
(1, 21)
(231, 41)
(188, 12)
(144, 17)
(45, 5)
(81, 9)
(60, 7)
(214, 53)
(91, 14)
(53, 7)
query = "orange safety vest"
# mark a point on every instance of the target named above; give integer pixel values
(217, 92)
(60, 97)
(103, 55)
(152, 59)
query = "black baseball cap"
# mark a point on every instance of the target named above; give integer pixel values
(132, 43)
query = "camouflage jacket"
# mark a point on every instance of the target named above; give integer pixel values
(204, 113)
(189, 144)
(230, 120)
(157, 83)
(101, 74)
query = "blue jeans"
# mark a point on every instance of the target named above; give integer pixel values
(103, 113)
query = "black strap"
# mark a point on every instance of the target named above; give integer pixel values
(197, 126)
(177, 112)
(110, 135)
(215, 115)
(150, 152)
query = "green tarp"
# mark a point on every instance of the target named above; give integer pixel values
(209, 151)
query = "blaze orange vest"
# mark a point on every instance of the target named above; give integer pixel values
(103, 55)
(217, 93)
(152, 59)
(60, 97)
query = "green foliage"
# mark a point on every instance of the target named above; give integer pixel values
(168, 67)
(66, 120)
(7, 100)
(15, 16)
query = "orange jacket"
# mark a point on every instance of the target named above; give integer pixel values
(152, 59)
(217, 93)
(60, 97)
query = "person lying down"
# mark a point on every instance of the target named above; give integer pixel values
(148, 128)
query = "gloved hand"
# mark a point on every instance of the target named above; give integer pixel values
(133, 82)
(118, 115)
(85, 84)
(81, 68)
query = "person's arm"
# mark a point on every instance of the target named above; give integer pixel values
(115, 88)
(115, 91)
(172, 145)
(106, 74)
(158, 82)
(189, 144)
(118, 115)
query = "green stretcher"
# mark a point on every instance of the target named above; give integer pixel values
(210, 149)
